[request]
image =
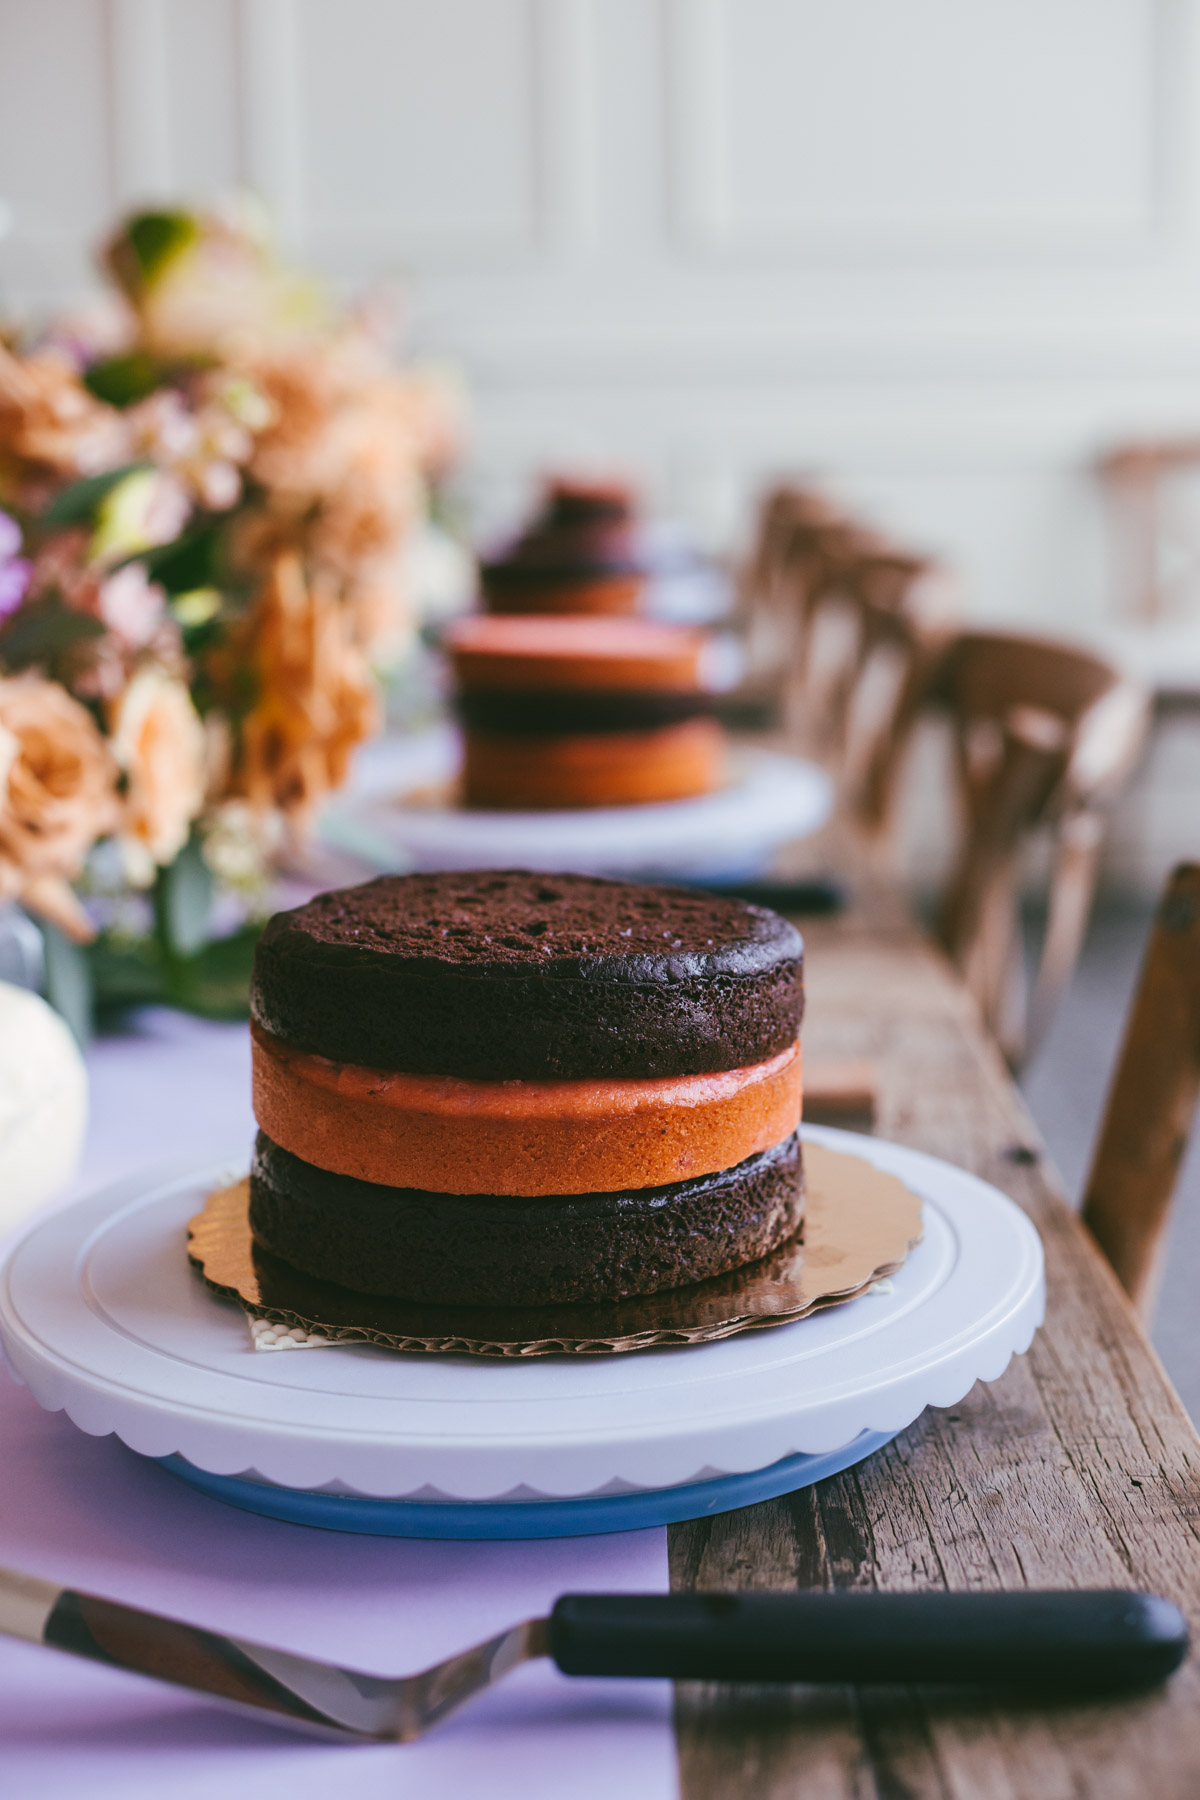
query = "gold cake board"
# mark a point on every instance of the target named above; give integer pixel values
(860, 1223)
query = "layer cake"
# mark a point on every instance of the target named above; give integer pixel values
(574, 712)
(508, 1088)
(577, 555)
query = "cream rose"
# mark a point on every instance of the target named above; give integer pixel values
(159, 742)
(57, 796)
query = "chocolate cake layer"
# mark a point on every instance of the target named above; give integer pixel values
(555, 563)
(598, 595)
(547, 714)
(582, 530)
(510, 975)
(493, 1250)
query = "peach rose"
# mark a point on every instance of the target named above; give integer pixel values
(51, 428)
(316, 699)
(57, 796)
(159, 742)
(337, 464)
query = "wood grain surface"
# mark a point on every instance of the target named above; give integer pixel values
(1078, 1468)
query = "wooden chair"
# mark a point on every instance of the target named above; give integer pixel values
(906, 609)
(847, 628)
(1157, 548)
(1046, 736)
(787, 558)
(1152, 1099)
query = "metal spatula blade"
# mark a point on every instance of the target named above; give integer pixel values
(1052, 1642)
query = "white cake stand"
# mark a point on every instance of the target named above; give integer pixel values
(102, 1317)
(770, 800)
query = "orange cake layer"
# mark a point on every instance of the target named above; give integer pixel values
(451, 1136)
(519, 651)
(584, 594)
(615, 768)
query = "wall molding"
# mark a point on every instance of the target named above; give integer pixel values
(561, 147)
(139, 101)
(270, 147)
(567, 126)
(700, 190)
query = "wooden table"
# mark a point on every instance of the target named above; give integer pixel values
(1078, 1468)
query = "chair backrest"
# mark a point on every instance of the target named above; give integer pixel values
(847, 628)
(786, 561)
(1046, 735)
(1155, 540)
(1153, 1096)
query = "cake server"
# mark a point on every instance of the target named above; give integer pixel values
(1051, 1642)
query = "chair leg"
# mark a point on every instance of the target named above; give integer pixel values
(1153, 1097)
(1076, 865)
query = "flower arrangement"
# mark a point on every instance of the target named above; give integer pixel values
(207, 498)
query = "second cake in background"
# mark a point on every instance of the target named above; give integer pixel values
(577, 555)
(576, 712)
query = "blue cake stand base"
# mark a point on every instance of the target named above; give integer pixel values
(525, 1518)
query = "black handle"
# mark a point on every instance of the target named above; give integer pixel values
(1061, 1640)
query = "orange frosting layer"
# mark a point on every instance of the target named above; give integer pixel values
(534, 652)
(451, 1136)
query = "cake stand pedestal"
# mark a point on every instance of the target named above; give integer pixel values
(103, 1318)
(770, 800)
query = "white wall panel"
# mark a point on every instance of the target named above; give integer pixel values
(202, 84)
(870, 127)
(419, 123)
(56, 165)
(937, 252)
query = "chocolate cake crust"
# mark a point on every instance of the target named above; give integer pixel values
(512, 975)
(494, 1250)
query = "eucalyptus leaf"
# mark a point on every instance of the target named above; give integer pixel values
(68, 982)
(183, 902)
(126, 973)
(22, 951)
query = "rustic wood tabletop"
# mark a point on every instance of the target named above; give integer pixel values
(1078, 1468)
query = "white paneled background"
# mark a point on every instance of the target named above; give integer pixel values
(939, 251)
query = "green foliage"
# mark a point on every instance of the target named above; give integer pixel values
(157, 238)
(43, 632)
(123, 380)
(192, 561)
(179, 964)
(214, 981)
(183, 899)
(79, 503)
(68, 981)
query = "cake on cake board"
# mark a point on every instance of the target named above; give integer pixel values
(659, 1019)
